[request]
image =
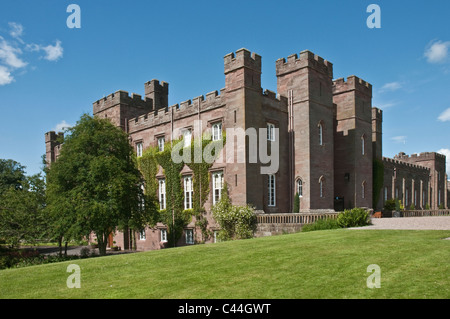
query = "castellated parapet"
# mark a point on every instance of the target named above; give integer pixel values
(242, 58)
(306, 59)
(353, 83)
(401, 164)
(158, 93)
(122, 98)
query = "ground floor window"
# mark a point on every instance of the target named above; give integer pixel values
(164, 235)
(189, 236)
(142, 234)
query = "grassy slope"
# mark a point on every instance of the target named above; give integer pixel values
(321, 264)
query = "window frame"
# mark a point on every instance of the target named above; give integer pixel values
(161, 146)
(300, 187)
(270, 132)
(139, 148)
(217, 191)
(162, 193)
(216, 131)
(188, 193)
(163, 235)
(142, 235)
(187, 141)
(271, 190)
(320, 126)
(189, 239)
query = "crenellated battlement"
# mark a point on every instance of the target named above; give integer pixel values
(424, 156)
(306, 59)
(242, 58)
(377, 113)
(183, 109)
(122, 97)
(399, 163)
(353, 83)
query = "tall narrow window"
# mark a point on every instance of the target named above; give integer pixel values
(216, 131)
(320, 134)
(139, 149)
(321, 187)
(188, 192)
(396, 193)
(270, 132)
(415, 198)
(385, 194)
(363, 150)
(423, 198)
(187, 136)
(162, 194)
(217, 186)
(406, 197)
(363, 190)
(271, 190)
(300, 188)
(161, 142)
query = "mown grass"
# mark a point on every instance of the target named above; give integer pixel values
(319, 264)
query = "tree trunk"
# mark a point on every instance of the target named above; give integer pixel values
(60, 246)
(65, 248)
(102, 240)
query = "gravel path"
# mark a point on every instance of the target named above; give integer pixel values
(414, 223)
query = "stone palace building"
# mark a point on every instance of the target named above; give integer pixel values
(327, 132)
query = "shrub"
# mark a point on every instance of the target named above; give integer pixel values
(321, 224)
(390, 205)
(353, 218)
(236, 222)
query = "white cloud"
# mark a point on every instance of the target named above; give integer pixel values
(61, 126)
(52, 52)
(11, 51)
(5, 76)
(437, 51)
(387, 105)
(9, 55)
(16, 30)
(446, 152)
(445, 116)
(392, 86)
(399, 139)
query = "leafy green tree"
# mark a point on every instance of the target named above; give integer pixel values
(236, 222)
(95, 185)
(12, 173)
(22, 216)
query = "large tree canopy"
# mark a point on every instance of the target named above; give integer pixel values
(12, 174)
(22, 216)
(95, 185)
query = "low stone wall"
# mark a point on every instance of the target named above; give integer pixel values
(421, 213)
(277, 224)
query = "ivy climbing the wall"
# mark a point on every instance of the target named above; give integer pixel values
(199, 157)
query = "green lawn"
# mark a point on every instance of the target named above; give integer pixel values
(320, 264)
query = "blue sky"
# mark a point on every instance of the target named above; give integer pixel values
(51, 74)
